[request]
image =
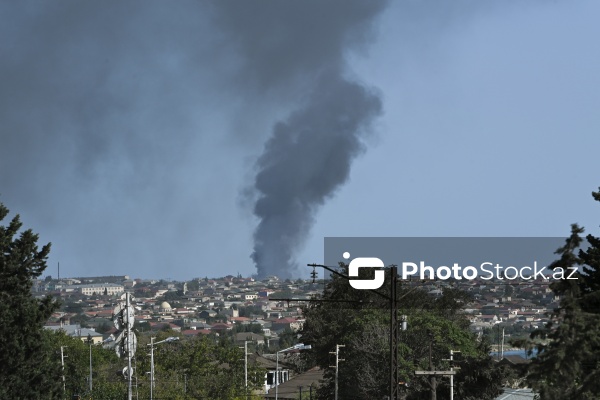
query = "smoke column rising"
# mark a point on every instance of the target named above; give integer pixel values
(306, 159)
(300, 48)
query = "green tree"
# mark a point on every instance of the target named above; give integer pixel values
(567, 364)
(359, 319)
(193, 285)
(29, 368)
(198, 368)
(76, 362)
(287, 338)
(80, 319)
(254, 328)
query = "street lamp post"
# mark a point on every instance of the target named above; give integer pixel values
(152, 344)
(299, 346)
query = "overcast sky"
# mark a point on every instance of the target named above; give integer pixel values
(139, 137)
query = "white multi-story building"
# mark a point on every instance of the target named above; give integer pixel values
(99, 289)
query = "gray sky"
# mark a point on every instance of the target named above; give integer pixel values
(131, 131)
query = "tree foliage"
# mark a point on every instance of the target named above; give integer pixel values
(28, 369)
(359, 319)
(200, 367)
(567, 365)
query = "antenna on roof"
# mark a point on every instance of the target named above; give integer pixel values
(59, 270)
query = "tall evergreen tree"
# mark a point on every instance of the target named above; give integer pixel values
(567, 365)
(29, 368)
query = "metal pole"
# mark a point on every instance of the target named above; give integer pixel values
(246, 366)
(451, 376)
(394, 329)
(90, 366)
(62, 362)
(276, 376)
(151, 366)
(127, 327)
(337, 368)
(337, 365)
(502, 346)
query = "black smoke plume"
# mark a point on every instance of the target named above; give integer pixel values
(306, 159)
(301, 48)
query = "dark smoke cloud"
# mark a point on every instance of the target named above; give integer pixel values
(283, 45)
(112, 141)
(299, 49)
(102, 149)
(304, 162)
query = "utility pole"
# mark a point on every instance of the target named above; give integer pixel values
(451, 376)
(452, 353)
(62, 362)
(90, 343)
(502, 347)
(337, 360)
(394, 332)
(433, 373)
(151, 366)
(129, 339)
(393, 300)
(432, 380)
(246, 366)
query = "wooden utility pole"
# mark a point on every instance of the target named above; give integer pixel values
(432, 373)
(432, 380)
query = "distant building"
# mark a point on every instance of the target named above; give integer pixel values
(165, 307)
(89, 289)
(77, 331)
(109, 289)
(241, 337)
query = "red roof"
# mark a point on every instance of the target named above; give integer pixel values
(104, 313)
(287, 320)
(220, 327)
